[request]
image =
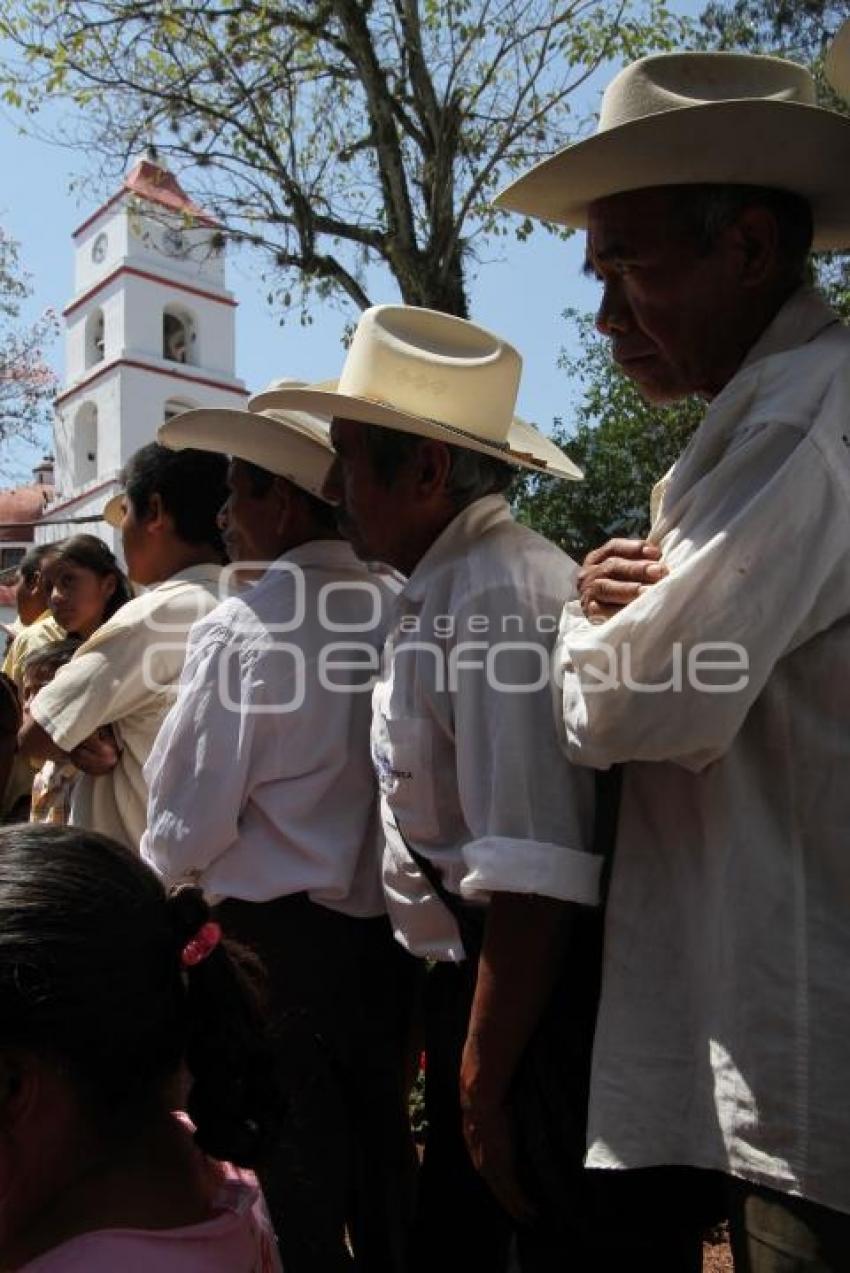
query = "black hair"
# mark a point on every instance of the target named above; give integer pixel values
(91, 975)
(10, 710)
(31, 562)
(472, 473)
(54, 654)
(92, 554)
(191, 485)
(261, 481)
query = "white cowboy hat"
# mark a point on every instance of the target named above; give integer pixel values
(434, 375)
(701, 118)
(837, 65)
(291, 444)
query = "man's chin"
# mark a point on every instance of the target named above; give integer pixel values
(651, 383)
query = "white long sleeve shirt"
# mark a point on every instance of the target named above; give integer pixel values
(260, 780)
(724, 1031)
(463, 739)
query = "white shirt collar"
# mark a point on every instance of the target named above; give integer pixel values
(322, 552)
(469, 525)
(803, 317)
(206, 572)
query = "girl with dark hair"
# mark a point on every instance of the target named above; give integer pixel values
(111, 994)
(84, 584)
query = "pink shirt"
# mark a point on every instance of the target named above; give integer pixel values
(239, 1239)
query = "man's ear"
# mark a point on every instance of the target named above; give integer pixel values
(156, 518)
(433, 462)
(754, 236)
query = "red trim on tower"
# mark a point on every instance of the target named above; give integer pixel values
(75, 234)
(155, 184)
(153, 278)
(144, 366)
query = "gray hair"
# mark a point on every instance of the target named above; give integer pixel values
(472, 474)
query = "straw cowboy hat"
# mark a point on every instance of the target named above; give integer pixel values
(693, 118)
(113, 510)
(837, 64)
(434, 375)
(291, 444)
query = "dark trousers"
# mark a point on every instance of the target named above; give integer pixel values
(344, 1162)
(772, 1232)
(459, 1223)
(656, 1218)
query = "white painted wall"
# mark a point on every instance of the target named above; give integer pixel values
(161, 273)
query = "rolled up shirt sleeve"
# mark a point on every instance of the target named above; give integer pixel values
(755, 570)
(529, 811)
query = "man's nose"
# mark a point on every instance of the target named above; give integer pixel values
(221, 518)
(614, 314)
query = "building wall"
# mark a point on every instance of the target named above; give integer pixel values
(116, 407)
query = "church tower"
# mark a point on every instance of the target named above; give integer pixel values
(148, 333)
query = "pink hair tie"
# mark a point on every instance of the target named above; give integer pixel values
(201, 945)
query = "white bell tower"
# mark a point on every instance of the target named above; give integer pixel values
(149, 333)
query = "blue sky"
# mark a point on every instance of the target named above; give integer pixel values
(519, 290)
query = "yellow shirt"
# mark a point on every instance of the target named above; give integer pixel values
(43, 631)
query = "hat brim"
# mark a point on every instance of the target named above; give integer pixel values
(837, 64)
(526, 447)
(290, 447)
(113, 510)
(781, 145)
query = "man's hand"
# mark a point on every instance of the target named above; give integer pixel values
(488, 1132)
(98, 754)
(615, 574)
(524, 941)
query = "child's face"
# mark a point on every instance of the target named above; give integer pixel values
(36, 678)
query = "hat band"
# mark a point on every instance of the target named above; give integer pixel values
(504, 447)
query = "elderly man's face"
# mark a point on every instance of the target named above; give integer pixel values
(372, 514)
(250, 520)
(668, 308)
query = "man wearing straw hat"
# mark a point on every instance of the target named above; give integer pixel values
(262, 793)
(486, 827)
(723, 1039)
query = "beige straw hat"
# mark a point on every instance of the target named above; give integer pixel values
(434, 375)
(291, 444)
(113, 510)
(694, 118)
(837, 66)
